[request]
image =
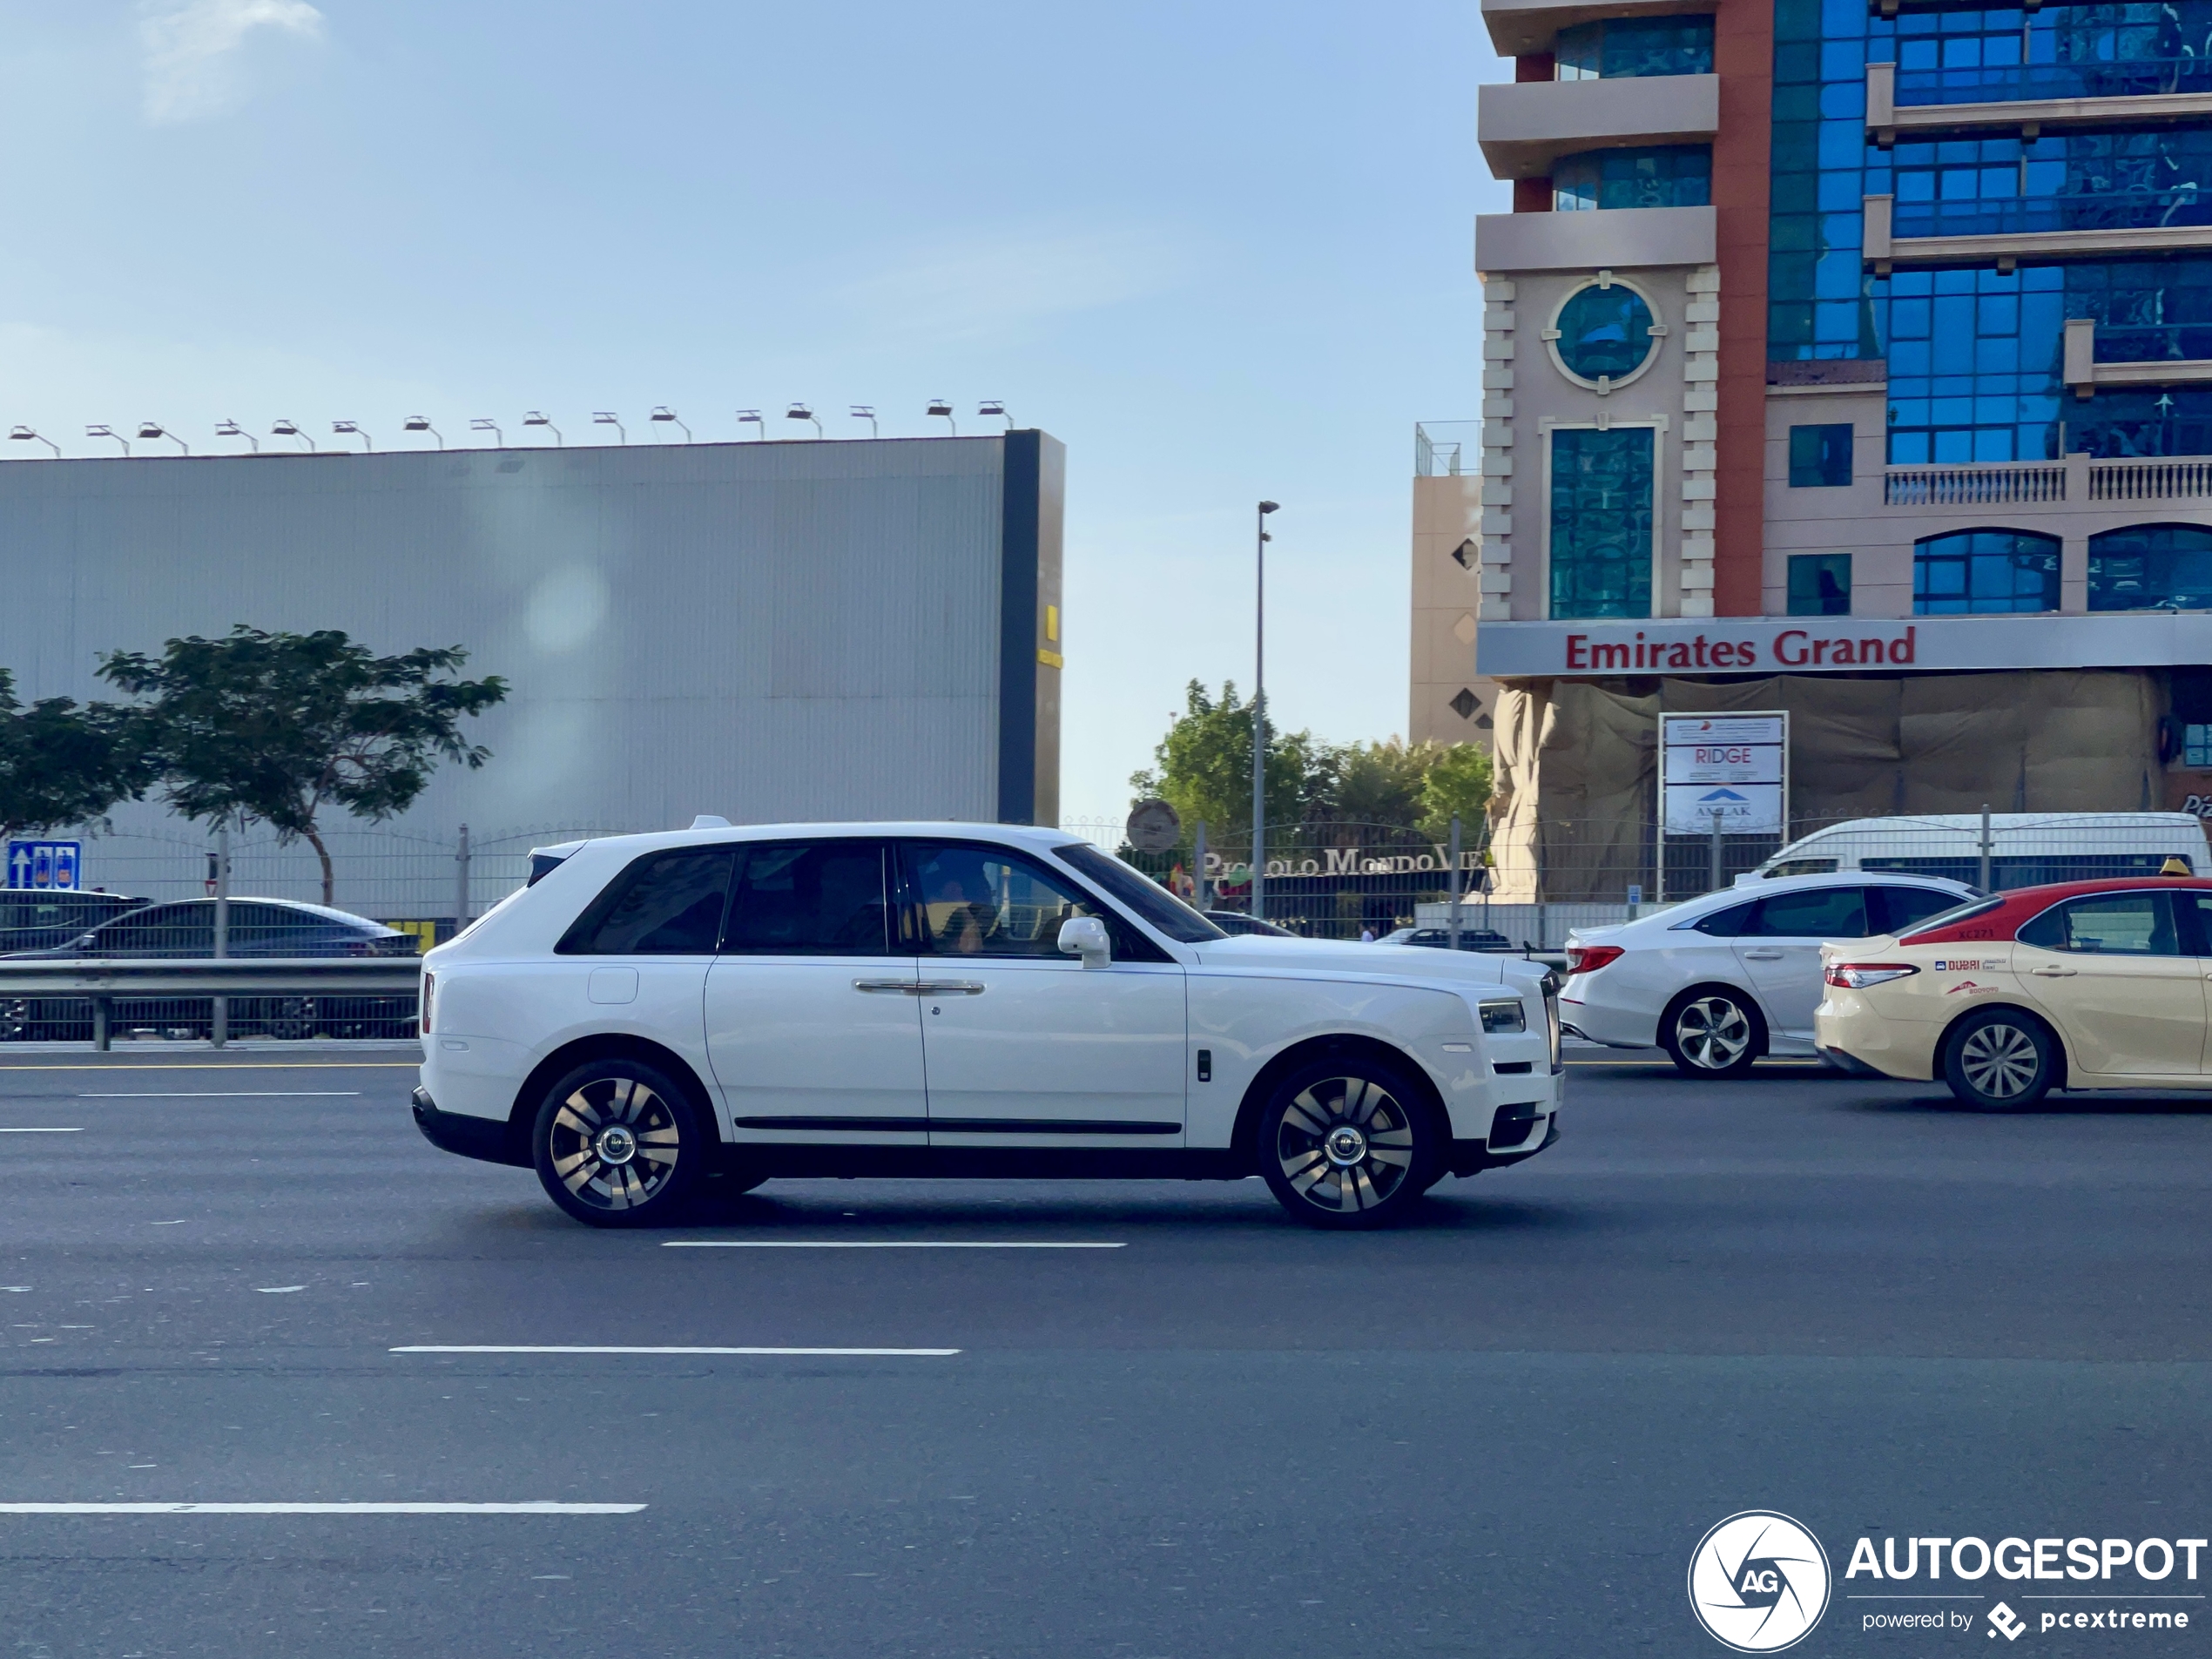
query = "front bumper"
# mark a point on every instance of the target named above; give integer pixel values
(486, 1138)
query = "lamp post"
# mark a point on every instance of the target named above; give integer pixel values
(1259, 712)
(290, 429)
(421, 423)
(233, 429)
(751, 418)
(666, 416)
(867, 412)
(803, 412)
(352, 429)
(28, 434)
(535, 419)
(942, 406)
(991, 406)
(152, 429)
(106, 431)
(606, 417)
(485, 424)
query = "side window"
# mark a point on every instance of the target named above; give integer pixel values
(810, 899)
(665, 904)
(165, 930)
(1726, 924)
(2106, 924)
(260, 929)
(987, 902)
(1898, 908)
(1818, 912)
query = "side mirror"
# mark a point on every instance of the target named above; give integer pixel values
(1085, 936)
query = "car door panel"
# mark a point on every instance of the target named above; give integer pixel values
(1780, 949)
(1023, 1046)
(2109, 971)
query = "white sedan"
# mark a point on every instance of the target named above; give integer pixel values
(1720, 980)
(955, 1000)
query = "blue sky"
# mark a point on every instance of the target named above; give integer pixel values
(1221, 250)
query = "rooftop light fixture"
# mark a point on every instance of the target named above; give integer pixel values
(421, 423)
(867, 412)
(995, 406)
(352, 429)
(751, 418)
(800, 412)
(483, 423)
(664, 414)
(26, 434)
(535, 419)
(942, 406)
(233, 429)
(108, 432)
(606, 417)
(291, 430)
(151, 429)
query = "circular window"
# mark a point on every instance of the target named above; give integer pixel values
(1602, 335)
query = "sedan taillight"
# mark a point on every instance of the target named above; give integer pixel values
(1588, 959)
(1856, 976)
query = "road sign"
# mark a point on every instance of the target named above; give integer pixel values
(51, 866)
(1153, 826)
(1735, 765)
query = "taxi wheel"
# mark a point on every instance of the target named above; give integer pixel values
(2000, 1060)
(1350, 1143)
(619, 1143)
(1713, 1031)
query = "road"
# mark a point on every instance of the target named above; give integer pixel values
(1499, 1431)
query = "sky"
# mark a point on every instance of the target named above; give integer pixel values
(1221, 252)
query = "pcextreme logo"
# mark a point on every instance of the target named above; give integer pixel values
(1758, 1581)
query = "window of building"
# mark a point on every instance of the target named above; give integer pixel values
(2062, 181)
(1604, 333)
(1674, 175)
(1819, 456)
(2109, 51)
(1820, 585)
(2151, 567)
(1985, 572)
(2197, 745)
(1601, 521)
(1621, 47)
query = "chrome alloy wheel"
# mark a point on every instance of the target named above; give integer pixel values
(614, 1143)
(1344, 1144)
(1713, 1032)
(1999, 1061)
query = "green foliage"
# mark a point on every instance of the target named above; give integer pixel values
(1458, 781)
(1204, 767)
(273, 727)
(63, 765)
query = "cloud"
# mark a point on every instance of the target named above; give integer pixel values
(191, 50)
(989, 286)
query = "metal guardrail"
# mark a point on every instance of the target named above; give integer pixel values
(102, 983)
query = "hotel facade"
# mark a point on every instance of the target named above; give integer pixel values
(1850, 358)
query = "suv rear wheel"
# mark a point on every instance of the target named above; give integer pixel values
(619, 1143)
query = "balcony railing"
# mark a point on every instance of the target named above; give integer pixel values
(2014, 83)
(2159, 479)
(1446, 449)
(2029, 215)
(2010, 483)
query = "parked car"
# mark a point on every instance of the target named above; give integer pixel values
(260, 928)
(1236, 923)
(1720, 980)
(957, 999)
(1441, 938)
(40, 918)
(2026, 849)
(2077, 985)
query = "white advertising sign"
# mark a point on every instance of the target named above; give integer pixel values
(1734, 767)
(1744, 809)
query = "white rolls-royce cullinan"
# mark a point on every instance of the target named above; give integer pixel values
(957, 999)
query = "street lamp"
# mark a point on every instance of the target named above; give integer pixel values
(751, 418)
(867, 412)
(606, 417)
(940, 406)
(290, 429)
(535, 419)
(25, 435)
(485, 424)
(1259, 712)
(151, 429)
(352, 429)
(108, 432)
(233, 429)
(800, 412)
(995, 406)
(663, 413)
(421, 423)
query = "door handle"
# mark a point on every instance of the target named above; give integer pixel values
(948, 987)
(2056, 973)
(889, 987)
(1762, 955)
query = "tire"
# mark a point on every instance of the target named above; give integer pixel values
(294, 1020)
(1713, 1031)
(2000, 1060)
(1350, 1143)
(619, 1144)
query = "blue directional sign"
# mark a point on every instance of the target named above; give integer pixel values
(51, 866)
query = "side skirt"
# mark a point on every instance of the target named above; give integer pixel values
(990, 1163)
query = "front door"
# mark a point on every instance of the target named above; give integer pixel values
(813, 1027)
(1026, 1046)
(1780, 949)
(2108, 969)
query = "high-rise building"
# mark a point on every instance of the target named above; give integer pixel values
(1849, 359)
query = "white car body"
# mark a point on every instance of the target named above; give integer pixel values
(1667, 953)
(2026, 849)
(1055, 1065)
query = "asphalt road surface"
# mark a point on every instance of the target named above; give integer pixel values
(1207, 1431)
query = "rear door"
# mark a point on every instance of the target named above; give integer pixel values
(1780, 949)
(2109, 970)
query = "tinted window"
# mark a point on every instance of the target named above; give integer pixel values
(665, 904)
(2203, 903)
(1726, 924)
(1819, 912)
(810, 899)
(1898, 908)
(2106, 924)
(264, 929)
(987, 902)
(164, 930)
(1151, 902)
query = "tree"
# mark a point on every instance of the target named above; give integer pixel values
(1204, 766)
(62, 764)
(1379, 783)
(1457, 782)
(273, 727)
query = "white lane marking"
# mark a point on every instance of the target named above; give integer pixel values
(858, 1353)
(531, 1508)
(883, 1244)
(233, 1093)
(42, 1131)
(278, 1289)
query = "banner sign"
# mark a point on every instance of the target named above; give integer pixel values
(49, 865)
(1734, 767)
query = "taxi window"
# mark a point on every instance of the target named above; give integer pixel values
(2106, 924)
(1816, 913)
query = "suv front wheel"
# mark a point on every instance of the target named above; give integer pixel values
(1349, 1143)
(619, 1143)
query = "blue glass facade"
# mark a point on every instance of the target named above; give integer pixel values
(1620, 48)
(1984, 573)
(1601, 522)
(2055, 51)
(1668, 175)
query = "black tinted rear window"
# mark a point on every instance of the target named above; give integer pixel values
(665, 904)
(810, 899)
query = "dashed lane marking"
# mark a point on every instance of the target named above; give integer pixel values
(852, 1353)
(529, 1508)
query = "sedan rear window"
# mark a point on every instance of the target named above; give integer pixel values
(665, 904)
(1151, 902)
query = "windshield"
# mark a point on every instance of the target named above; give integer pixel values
(1152, 902)
(1945, 918)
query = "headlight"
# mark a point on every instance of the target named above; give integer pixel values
(1856, 976)
(1504, 1017)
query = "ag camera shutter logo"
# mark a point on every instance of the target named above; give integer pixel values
(1758, 1581)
